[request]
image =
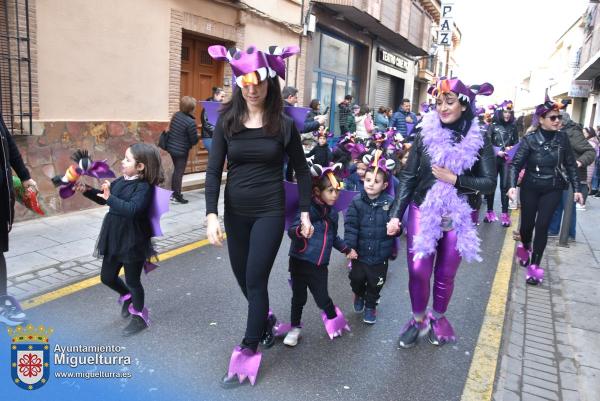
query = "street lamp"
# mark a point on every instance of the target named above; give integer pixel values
(430, 54)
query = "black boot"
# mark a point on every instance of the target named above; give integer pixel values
(268, 338)
(125, 309)
(136, 325)
(180, 199)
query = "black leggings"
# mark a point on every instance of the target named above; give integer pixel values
(3, 275)
(179, 163)
(253, 243)
(307, 275)
(537, 208)
(502, 170)
(109, 275)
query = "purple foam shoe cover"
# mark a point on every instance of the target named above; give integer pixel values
(244, 363)
(336, 326)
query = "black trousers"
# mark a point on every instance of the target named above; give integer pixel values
(179, 163)
(502, 171)
(109, 275)
(367, 281)
(252, 243)
(3, 275)
(306, 275)
(537, 208)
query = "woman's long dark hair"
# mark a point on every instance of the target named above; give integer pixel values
(235, 112)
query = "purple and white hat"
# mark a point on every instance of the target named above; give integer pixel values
(253, 66)
(464, 92)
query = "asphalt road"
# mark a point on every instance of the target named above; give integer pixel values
(198, 315)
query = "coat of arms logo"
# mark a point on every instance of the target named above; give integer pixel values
(30, 356)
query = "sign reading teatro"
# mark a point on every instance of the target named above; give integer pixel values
(391, 59)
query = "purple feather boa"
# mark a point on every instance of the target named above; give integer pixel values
(443, 199)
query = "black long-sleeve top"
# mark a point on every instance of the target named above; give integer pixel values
(126, 229)
(255, 170)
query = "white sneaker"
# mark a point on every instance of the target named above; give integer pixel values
(292, 337)
(513, 205)
(580, 207)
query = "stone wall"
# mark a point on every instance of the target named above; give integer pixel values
(49, 154)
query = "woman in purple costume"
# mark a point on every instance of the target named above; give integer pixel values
(450, 160)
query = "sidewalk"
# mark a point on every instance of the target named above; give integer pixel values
(551, 335)
(53, 252)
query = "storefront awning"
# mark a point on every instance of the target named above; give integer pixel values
(371, 23)
(591, 69)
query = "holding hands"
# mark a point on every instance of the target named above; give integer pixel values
(352, 255)
(306, 227)
(393, 226)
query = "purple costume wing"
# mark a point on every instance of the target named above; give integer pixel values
(409, 128)
(496, 150)
(158, 207)
(298, 114)
(67, 190)
(513, 151)
(292, 200)
(99, 169)
(212, 110)
(343, 200)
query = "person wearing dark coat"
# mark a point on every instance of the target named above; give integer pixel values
(183, 135)
(503, 134)
(10, 158)
(584, 156)
(542, 153)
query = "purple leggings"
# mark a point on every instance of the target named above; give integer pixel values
(419, 271)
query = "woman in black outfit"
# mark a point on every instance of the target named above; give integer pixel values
(253, 135)
(183, 135)
(542, 154)
(10, 158)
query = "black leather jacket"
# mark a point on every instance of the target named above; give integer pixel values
(416, 179)
(540, 158)
(503, 135)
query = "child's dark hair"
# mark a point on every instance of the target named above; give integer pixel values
(322, 183)
(371, 169)
(149, 156)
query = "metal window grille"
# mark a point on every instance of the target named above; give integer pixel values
(15, 66)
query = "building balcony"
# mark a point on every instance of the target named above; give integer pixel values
(405, 24)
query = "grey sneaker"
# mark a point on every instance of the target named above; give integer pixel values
(11, 313)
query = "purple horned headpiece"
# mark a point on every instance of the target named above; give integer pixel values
(355, 149)
(479, 111)
(318, 172)
(506, 105)
(548, 105)
(379, 137)
(252, 65)
(377, 160)
(323, 132)
(464, 92)
(426, 107)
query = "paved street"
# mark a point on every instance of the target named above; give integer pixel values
(198, 314)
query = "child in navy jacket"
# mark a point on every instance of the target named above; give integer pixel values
(309, 259)
(366, 234)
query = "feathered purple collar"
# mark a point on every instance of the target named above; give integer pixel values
(443, 200)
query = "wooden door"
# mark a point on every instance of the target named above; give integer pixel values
(199, 73)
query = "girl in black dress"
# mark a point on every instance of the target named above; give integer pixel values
(124, 238)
